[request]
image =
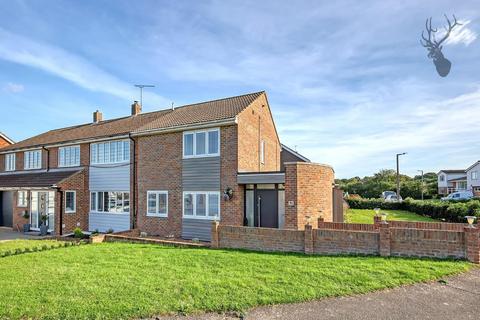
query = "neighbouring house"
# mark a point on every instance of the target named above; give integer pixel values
(459, 180)
(5, 141)
(289, 155)
(167, 173)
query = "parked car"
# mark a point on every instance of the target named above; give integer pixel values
(393, 198)
(462, 195)
(385, 194)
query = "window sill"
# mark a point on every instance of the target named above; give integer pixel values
(115, 213)
(201, 156)
(19, 206)
(201, 218)
(153, 215)
(70, 212)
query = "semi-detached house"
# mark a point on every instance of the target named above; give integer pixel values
(167, 173)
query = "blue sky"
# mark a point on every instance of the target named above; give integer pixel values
(348, 82)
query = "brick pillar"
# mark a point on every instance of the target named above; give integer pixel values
(308, 239)
(384, 245)
(472, 244)
(377, 220)
(215, 241)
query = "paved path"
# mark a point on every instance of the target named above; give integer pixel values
(458, 298)
(9, 234)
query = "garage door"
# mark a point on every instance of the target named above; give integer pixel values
(6, 207)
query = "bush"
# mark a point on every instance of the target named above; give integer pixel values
(441, 210)
(78, 233)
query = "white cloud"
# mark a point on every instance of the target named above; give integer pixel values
(71, 67)
(461, 34)
(13, 87)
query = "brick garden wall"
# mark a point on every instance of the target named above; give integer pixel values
(338, 238)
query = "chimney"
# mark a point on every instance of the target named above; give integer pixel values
(136, 108)
(97, 117)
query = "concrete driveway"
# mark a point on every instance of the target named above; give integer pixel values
(457, 298)
(9, 234)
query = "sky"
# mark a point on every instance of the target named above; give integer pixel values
(347, 81)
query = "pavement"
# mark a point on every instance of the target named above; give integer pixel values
(456, 298)
(9, 234)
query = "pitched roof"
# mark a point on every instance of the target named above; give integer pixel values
(34, 179)
(473, 165)
(452, 171)
(295, 153)
(6, 138)
(203, 112)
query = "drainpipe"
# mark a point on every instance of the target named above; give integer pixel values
(60, 232)
(48, 158)
(133, 204)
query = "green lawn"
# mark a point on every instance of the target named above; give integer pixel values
(119, 280)
(23, 245)
(366, 216)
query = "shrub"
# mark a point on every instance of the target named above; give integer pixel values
(441, 210)
(78, 233)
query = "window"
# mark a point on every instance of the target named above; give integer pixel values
(22, 200)
(157, 202)
(201, 205)
(110, 202)
(70, 201)
(33, 160)
(474, 175)
(110, 152)
(262, 151)
(205, 143)
(69, 156)
(442, 178)
(10, 162)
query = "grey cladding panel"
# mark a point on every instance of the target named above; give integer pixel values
(105, 221)
(201, 174)
(196, 228)
(110, 178)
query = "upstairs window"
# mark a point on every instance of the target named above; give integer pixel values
(69, 156)
(474, 175)
(33, 160)
(262, 151)
(442, 178)
(10, 162)
(110, 152)
(202, 143)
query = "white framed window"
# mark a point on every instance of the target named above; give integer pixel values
(32, 159)
(110, 152)
(22, 199)
(157, 203)
(201, 143)
(110, 202)
(262, 151)
(69, 156)
(70, 201)
(474, 175)
(442, 178)
(201, 205)
(10, 162)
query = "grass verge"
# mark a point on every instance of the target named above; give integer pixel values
(366, 216)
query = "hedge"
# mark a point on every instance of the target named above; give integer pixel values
(441, 210)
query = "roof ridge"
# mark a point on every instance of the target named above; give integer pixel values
(216, 100)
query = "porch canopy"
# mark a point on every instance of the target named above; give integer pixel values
(34, 180)
(260, 177)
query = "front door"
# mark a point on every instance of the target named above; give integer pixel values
(42, 204)
(266, 209)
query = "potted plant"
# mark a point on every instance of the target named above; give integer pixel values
(26, 216)
(43, 227)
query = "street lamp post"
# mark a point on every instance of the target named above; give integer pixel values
(421, 188)
(398, 175)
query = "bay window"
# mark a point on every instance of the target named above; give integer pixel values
(201, 204)
(110, 201)
(202, 143)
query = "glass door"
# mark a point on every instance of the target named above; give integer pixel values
(34, 216)
(42, 203)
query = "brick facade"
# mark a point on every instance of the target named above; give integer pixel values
(308, 192)
(255, 124)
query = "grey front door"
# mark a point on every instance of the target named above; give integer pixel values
(6, 206)
(266, 214)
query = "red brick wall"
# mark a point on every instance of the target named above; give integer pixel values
(334, 238)
(159, 167)
(78, 183)
(18, 220)
(309, 187)
(4, 143)
(255, 123)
